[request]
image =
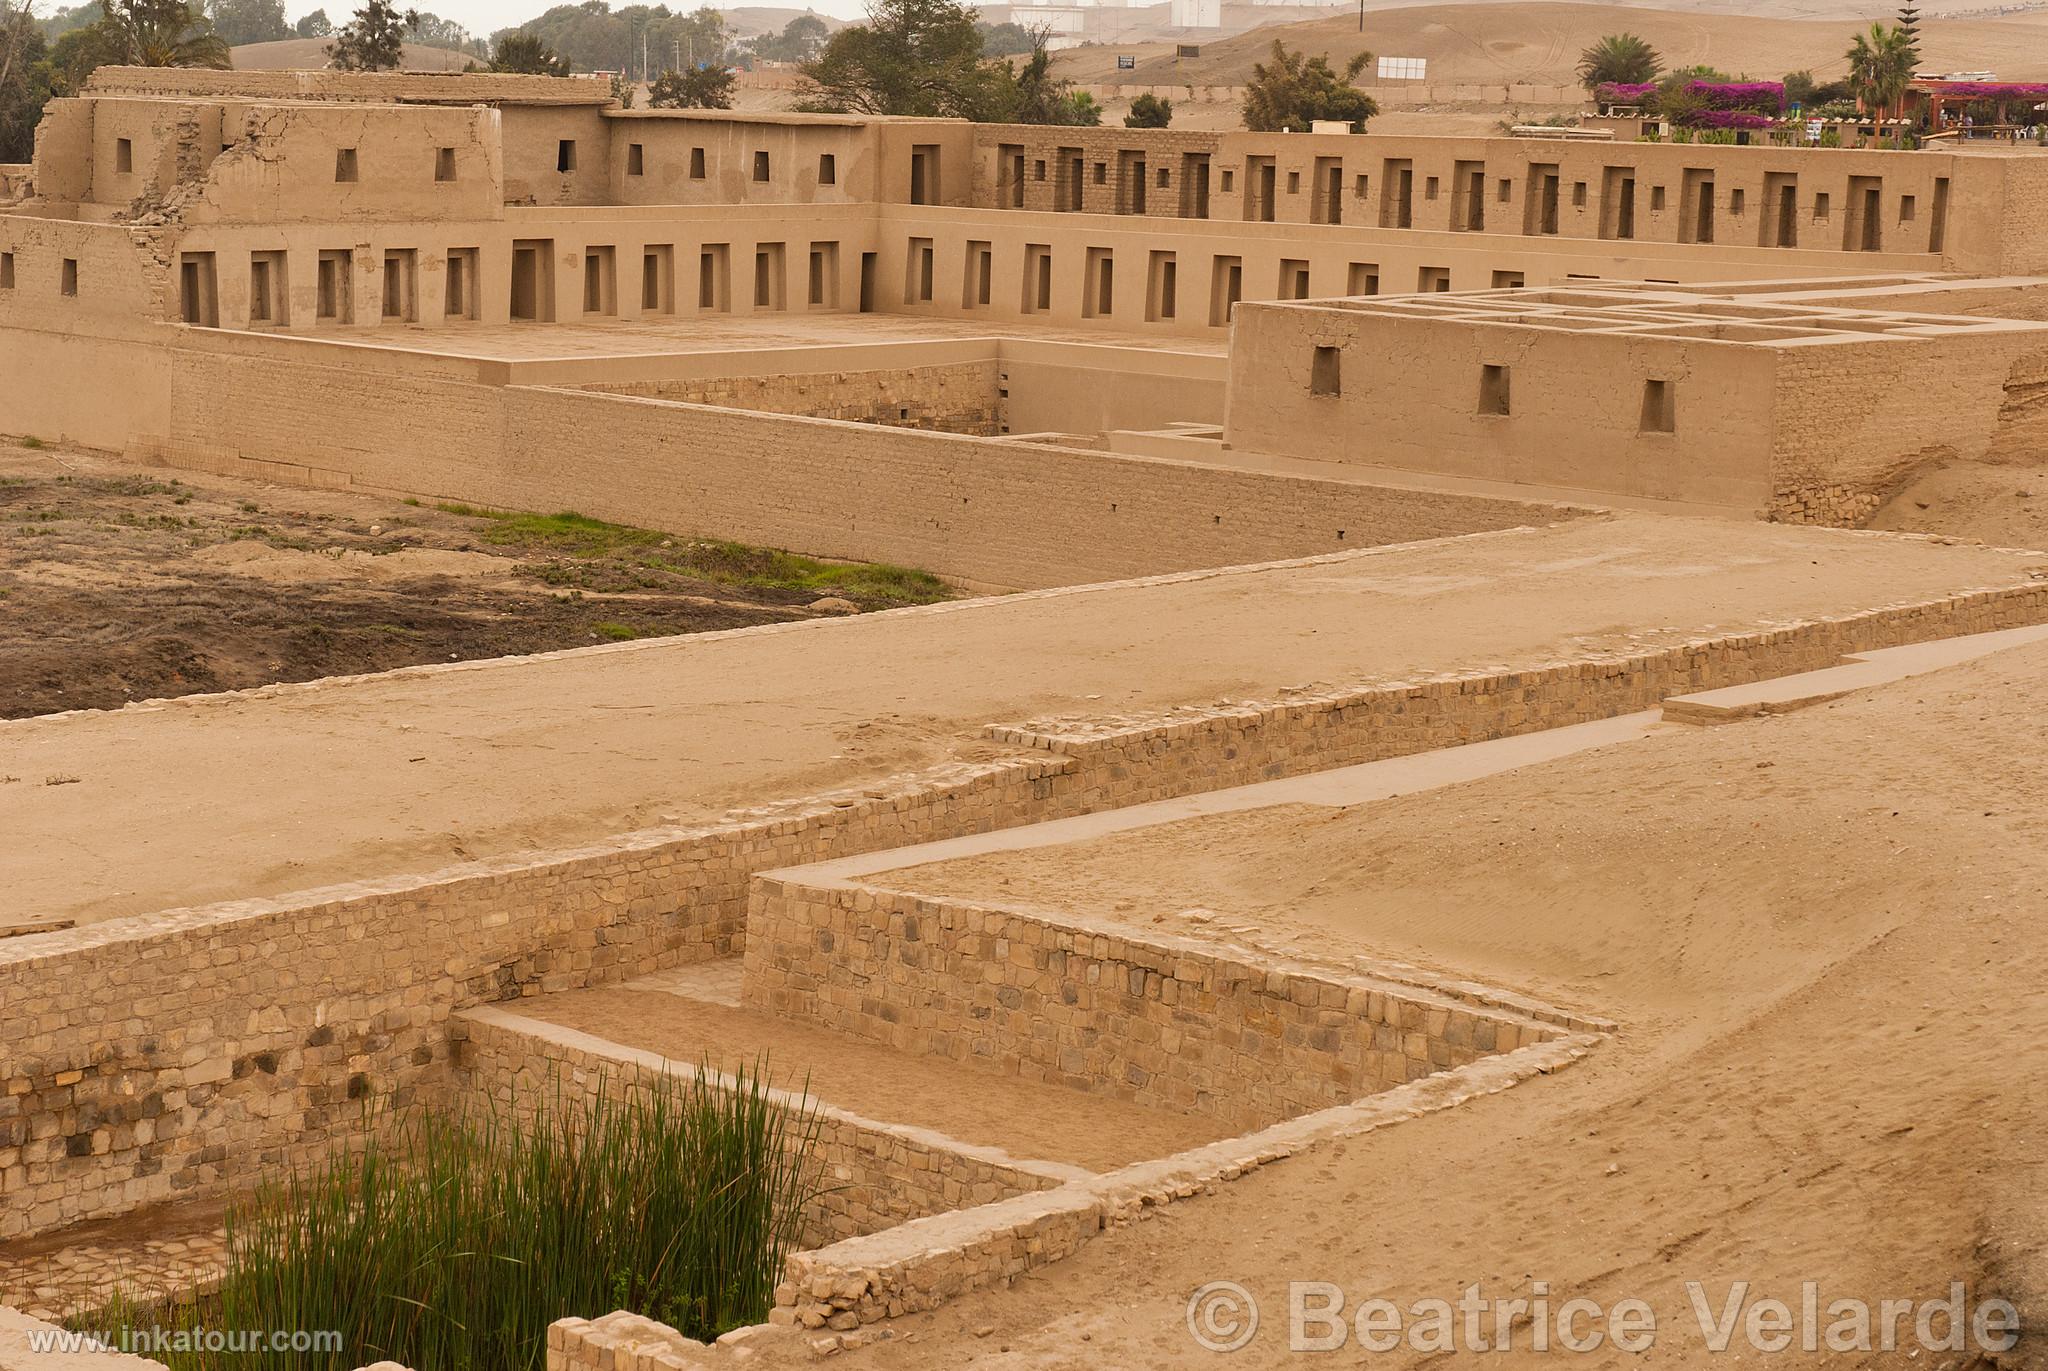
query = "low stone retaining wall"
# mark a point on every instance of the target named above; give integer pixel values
(874, 1175)
(836, 1294)
(1166, 1020)
(1184, 751)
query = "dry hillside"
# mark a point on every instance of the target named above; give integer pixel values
(1538, 43)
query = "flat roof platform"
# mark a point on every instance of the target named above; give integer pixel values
(209, 798)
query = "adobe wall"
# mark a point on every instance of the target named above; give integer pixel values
(1341, 260)
(1989, 223)
(1165, 1021)
(1409, 396)
(960, 397)
(871, 1175)
(169, 1050)
(993, 513)
(1853, 422)
(273, 163)
(444, 88)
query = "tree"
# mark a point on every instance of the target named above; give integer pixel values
(595, 38)
(248, 21)
(1909, 24)
(522, 52)
(1006, 39)
(1294, 92)
(314, 25)
(24, 81)
(912, 57)
(1620, 59)
(1881, 67)
(801, 39)
(1035, 96)
(158, 33)
(705, 87)
(1148, 111)
(373, 41)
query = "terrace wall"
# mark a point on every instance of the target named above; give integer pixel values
(163, 1055)
(989, 513)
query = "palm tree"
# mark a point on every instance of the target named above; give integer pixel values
(160, 33)
(1881, 67)
(1619, 59)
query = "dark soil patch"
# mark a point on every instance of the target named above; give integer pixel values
(117, 586)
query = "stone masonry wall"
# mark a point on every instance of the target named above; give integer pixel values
(956, 398)
(166, 1055)
(1851, 424)
(1165, 1020)
(871, 1175)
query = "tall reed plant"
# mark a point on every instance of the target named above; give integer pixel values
(451, 1241)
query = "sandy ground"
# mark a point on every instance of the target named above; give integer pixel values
(2005, 506)
(1822, 936)
(211, 798)
(1026, 1119)
(1534, 42)
(122, 583)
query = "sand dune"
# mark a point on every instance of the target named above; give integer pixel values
(1538, 43)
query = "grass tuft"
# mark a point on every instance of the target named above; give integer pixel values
(628, 553)
(455, 1242)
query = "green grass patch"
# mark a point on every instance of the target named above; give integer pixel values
(32, 443)
(625, 548)
(454, 1243)
(614, 630)
(739, 564)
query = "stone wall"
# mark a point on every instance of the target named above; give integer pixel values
(1167, 1021)
(960, 397)
(165, 1055)
(871, 1175)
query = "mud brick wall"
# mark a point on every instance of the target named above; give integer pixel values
(871, 1175)
(956, 398)
(1170, 1022)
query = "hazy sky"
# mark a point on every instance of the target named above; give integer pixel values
(488, 16)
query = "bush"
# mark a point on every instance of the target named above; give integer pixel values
(1148, 111)
(457, 1242)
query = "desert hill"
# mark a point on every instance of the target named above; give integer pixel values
(1537, 43)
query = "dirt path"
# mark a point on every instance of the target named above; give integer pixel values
(119, 583)
(1822, 934)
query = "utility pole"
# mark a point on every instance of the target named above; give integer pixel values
(1361, 16)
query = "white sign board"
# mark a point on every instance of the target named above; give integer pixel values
(1404, 68)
